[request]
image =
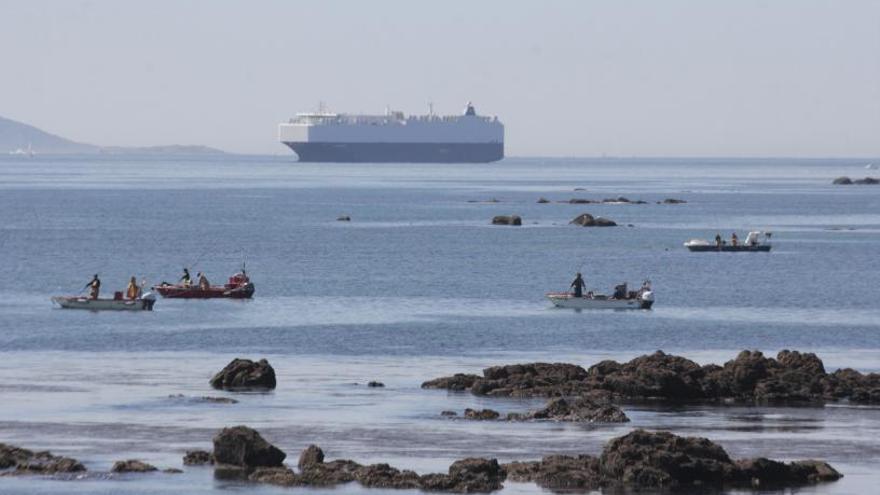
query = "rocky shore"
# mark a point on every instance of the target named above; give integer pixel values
(579, 410)
(751, 377)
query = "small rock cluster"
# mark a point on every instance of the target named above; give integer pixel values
(791, 377)
(846, 181)
(25, 462)
(575, 410)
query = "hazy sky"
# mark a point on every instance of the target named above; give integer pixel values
(657, 78)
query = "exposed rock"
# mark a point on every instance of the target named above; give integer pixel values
(481, 415)
(448, 414)
(343, 218)
(132, 466)
(209, 399)
(197, 458)
(472, 475)
(646, 460)
(543, 200)
(29, 462)
(507, 220)
(842, 181)
(456, 382)
(243, 374)
(672, 201)
(311, 455)
(587, 220)
(579, 410)
(243, 446)
(330, 473)
(623, 200)
(792, 376)
(867, 181)
(385, 476)
(581, 201)
(375, 384)
(172, 471)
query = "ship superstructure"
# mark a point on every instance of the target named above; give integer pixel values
(393, 137)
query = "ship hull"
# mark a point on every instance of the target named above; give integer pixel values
(398, 152)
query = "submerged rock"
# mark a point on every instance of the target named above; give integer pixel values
(197, 458)
(481, 415)
(244, 374)
(132, 466)
(244, 447)
(343, 218)
(543, 201)
(842, 181)
(375, 384)
(580, 410)
(672, 201)
(507, 220)
(867, 181)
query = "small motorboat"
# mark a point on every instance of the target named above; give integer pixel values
(118, 303)
(752, 244)
(239, 286)
(622, 299)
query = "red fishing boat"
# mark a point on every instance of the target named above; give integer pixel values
(239, 286)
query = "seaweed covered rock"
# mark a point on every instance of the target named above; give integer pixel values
(28, 462)
(244, 374)
(587, 220)
(471, 475)
(581, 410)
(244, 447)
(507, 220)
(481, 414)
(310, 456)
(197, 458)
(132, 466)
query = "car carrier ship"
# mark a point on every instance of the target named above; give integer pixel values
(393, 137)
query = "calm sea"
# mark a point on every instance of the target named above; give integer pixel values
(417, 285)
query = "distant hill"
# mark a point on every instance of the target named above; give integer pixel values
(19, 136)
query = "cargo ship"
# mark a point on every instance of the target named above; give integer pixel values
(393, 137)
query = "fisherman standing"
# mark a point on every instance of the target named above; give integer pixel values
(734, 239)
(718, 240)
(578, 285)
(133, 291)
(94, 287)
(186, 280)
(203, 282)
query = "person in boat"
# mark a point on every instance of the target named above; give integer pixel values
(186, 280)
(94, 287)
(734, 240)
(203, 281)
(578, 285)
(133, 291)
(718, 240)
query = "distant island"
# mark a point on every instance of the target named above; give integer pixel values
(18, 138)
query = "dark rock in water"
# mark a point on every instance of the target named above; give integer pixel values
(28, 462)
(842, 181)
(867, 181)
(172, 471)
(243, 446)
(625, 200)
(448, 414)
(311, 455)
(481, 415)
(243, 374)
(344, 218)
(472, 475)
(132, 466)
(543, 200)
(792, 376)
(580, 189)
(587, 220)
(330, 473)
(766, 473)
(559, 472)
(197, 458)
(213, 400)
(281, 476)
(375, 384)
(456, 382)
(581, 201)
(672, 201)
(507, 220)
(579, 410)
(385, 476)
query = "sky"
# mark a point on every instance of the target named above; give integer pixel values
(796, 78)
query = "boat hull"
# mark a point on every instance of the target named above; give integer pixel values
(214, 292)
(566, 300)
(397, 152)
(74, 302)
(761, 248)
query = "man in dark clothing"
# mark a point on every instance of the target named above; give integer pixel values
(186, 280)
(578, 285)
(94, 287)
(718, 240)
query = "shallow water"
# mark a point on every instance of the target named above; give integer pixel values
(418, 285)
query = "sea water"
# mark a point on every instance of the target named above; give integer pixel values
(417, 285)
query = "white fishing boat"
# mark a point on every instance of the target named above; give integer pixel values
(753, 244)
(144, 303)
(622, 299)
